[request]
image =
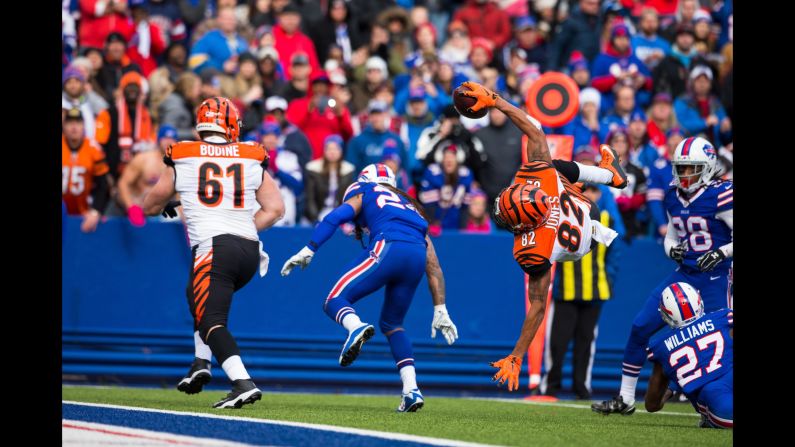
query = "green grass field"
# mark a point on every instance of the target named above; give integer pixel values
(473, 420)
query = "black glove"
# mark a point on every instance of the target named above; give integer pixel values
(677, 252)
(171, 208)
(709, 260)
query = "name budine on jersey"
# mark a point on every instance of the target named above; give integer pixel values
(688, 333)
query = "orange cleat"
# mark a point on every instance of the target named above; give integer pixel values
(610, 162)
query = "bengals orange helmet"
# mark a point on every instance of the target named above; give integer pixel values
(521, 208)
(218, 114)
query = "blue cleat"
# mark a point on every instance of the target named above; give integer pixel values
(411, 401)
(353, 345)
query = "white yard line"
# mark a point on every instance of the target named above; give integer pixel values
(568, 405)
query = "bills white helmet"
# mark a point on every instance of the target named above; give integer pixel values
(377, 173)
(680, 304)
(698, 153)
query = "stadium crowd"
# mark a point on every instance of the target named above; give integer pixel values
(330, 86)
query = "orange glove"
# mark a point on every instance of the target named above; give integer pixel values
(485, 97)
(509, 369)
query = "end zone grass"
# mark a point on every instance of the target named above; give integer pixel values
(473, 420)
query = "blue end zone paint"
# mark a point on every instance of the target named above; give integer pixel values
(259, 433)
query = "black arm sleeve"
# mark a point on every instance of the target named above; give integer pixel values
(569, 169)
(100, 193)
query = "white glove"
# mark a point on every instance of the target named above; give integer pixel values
(442, 321)
(302, 258)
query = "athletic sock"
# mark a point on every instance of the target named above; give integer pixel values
(202, 350)
(338, 308)
(351, 321)
(234, 369)
(628, 385)
(594, 174)
(409, 377)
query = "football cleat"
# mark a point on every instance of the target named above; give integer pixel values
(611, 162)
(614, 405)
(198, 376)
(353, 345)
(411, 401)
(243, 392)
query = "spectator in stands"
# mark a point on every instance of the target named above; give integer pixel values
(580, 32)
(270, 71)
(87, 69)
(726, 80)
(299, 71)
(386, 94)
(670, 75)
(327, 178)
(417, 118)
(660, 176)
(579, 71)
(622, 111)
(446, 79)
(396, 21)
(177, 109)
(219, 48)
(291, 138)
(576, 307)
(661, 120)
(126, 126)
(98, 19)
(444, 192)
(641, 152)
(685, 13)
(376, 73)
(425, 39)
(458, 45)
(618, 66)
(248, 84)
(213, 84)
(379, 45)
(391, 158)
(368, 147)
(480, 57)
(527, 39)
(163, 79)
(502, 143)
(168, 15)
(705, 40)
(336, 28)
(146, 40)
(484, 18)
(318, 117)
(284, 168)
(116, 64)
(699, 111)
(85, 173)
(632, 198)
(477, 220)
(422, 79)
(647, 45)
(290, 39)
(449, 130)
(585, 126)
(74, 95)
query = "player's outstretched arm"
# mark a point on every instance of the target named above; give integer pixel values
(159, 195)
(511, 365)
(536, 140)
(658, 391)
(441, 319)
(270, 202)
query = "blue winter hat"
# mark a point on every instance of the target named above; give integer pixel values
(270, 127)
(73, 72)
(417, 94)
(390, 153)
(138, 3)
(524, 22)
(619, 30)
(334, 138)
(166, 131)
(638, 115)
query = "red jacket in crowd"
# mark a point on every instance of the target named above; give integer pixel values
(485, 20)
(96, 22)
(317, 126)
(288, 45)
(157, 45)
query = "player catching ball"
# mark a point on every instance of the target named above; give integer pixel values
(550, 218)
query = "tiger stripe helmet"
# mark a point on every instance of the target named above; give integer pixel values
(680, 304)
(521, 207)
(218, 114)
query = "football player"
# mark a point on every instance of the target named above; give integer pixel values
(699, 238)
(697, 353)
(84, 173)
(550, 218)
(398, 255)
(220, 181)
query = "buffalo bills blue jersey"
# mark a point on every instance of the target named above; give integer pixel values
(696, 354)
(695, 219)
(446, 203)
(387, 215)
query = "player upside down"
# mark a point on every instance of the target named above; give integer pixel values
(550, 218)
(398, 255)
